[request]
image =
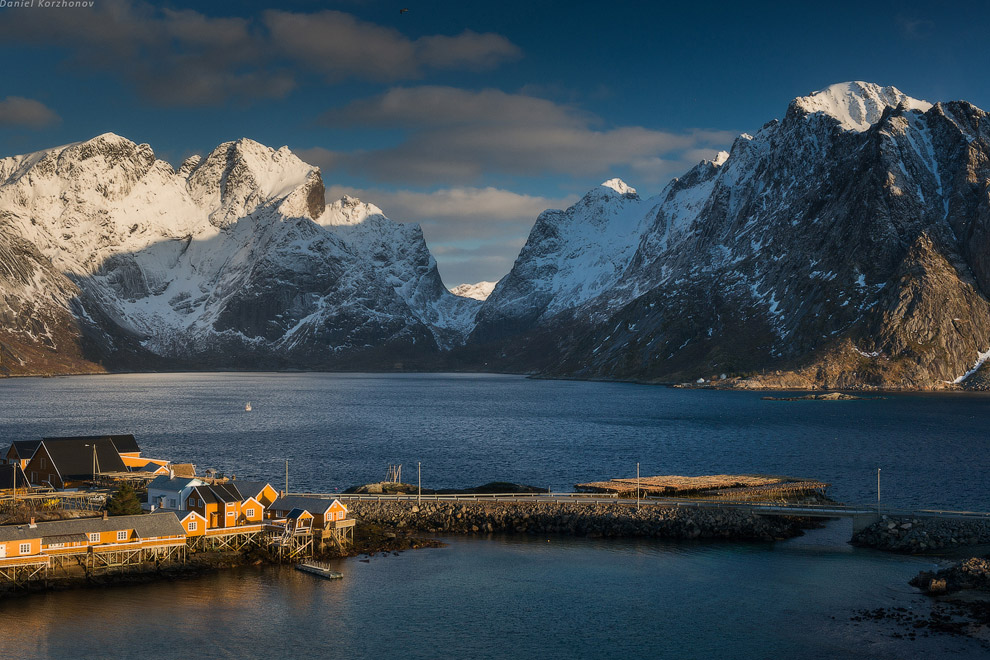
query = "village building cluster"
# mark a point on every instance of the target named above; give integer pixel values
(183, 511)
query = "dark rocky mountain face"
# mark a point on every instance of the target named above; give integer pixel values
(817, 254)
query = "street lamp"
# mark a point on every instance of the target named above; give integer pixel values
(878, 488)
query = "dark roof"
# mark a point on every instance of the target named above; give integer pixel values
(227, 492)
(26, 448)
(12, 476)
(295, 513)
(123, 443)
(206, 494)
(312, 504)
(146, 526)
(73, 457)
(126, 444)
(64, 538)
(172, 484)
(250, 488)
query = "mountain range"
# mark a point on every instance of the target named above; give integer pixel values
(842, 246)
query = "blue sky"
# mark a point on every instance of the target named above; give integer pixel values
(467, 117)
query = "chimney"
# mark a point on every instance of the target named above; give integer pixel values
(171, 472)
(33, 524)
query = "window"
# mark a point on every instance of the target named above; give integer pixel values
(171, 503)
(193, 525)
(94, 537)
(25, 548)
(122, 536)
(230, 514)
(56, 545)
(249, 513)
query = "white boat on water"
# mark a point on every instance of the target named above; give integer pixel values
(247, 408)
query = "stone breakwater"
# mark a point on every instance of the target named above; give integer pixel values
(973, 573)
(922, 534)
(592, 520)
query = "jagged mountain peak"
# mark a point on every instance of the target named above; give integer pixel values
(476, 291)
(239, 176)
(349, 210)
(619, 186)
(856, 105)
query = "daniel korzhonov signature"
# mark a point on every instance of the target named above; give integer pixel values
(47, 4)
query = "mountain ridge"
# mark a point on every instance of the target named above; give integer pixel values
(846, 245)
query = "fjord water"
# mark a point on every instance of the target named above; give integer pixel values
(513, 597)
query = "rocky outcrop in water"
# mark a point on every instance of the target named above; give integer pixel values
(592, 520)
(918, 535)
(973, 573)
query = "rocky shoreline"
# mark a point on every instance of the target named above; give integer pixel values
(918, 535)
(588, 520)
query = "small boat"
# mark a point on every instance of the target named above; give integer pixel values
(319, 569)
(247, 408)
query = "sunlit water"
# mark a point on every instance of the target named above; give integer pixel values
(512, 597)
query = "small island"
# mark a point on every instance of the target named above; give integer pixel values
(829, 396)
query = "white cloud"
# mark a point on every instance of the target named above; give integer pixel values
(456, 135)
(19, 111)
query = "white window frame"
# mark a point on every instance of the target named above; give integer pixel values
(94, 537)
(171, 503)
(230, 514)
(25, 548)
(249, 513)
(193, 525)
(122, 535)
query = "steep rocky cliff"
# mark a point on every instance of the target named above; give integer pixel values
(843, 246)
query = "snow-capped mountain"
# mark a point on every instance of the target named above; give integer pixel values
(232, 260)
(476, 291)
(571, 257)
(845, 245)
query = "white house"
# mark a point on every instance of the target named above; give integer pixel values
(170, 492)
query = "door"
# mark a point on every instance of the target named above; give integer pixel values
(3, 550)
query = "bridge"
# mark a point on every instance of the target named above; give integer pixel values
(862, 515)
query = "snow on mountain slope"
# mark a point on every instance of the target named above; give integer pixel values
(571, 256)
(228, 259)
(857, 105)
(398, 252)
(476, 291)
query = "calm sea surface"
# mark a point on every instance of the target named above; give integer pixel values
(512, 597)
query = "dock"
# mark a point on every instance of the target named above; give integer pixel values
(319, 569)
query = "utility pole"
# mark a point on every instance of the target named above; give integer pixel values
(286, 477)
(878, 489)
(637, 486)
(419, 488)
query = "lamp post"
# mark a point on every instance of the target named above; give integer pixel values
(637, 486)
(878, 489)
(419, 487)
